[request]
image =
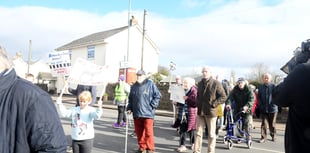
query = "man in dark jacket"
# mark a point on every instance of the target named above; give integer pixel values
(143, 99)
(294, 92)
(210, 94)
(243, 98)
(29, 121)
(268, 110)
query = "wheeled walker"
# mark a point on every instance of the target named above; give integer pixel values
(235, 131)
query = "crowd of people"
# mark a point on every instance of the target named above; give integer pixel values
(203, 111)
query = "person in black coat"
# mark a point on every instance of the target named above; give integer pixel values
(268, 110)
(294, 92)
(29, 121)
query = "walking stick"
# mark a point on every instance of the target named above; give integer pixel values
(126, 133)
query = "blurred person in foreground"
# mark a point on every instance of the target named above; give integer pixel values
(294, 92)
(210, 94)
(29, 121)
(143, 99)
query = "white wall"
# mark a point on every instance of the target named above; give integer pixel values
(115, 50)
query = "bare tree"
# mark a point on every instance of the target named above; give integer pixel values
(257, 72)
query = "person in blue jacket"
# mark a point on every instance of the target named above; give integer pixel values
(29, 121)
(143, 99)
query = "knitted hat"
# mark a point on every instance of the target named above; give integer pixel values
(121, 77)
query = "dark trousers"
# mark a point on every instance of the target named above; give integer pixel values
(82, 146)
(268, 119)
(121, 114)
(191, 135)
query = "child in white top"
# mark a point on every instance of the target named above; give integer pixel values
(82, 118)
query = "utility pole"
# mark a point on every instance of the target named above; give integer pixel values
(29, 57)
(143, 36)
(126, 68)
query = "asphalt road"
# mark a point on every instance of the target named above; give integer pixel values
(110, 140)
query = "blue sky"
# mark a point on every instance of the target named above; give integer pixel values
(229, 35)
(169, 8)
(172, 8)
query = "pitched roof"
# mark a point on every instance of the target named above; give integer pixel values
(94, 38)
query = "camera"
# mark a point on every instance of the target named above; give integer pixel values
(301, 55)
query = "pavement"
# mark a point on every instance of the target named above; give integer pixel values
(109, 105)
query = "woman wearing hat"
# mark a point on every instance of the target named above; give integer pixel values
(121, 93)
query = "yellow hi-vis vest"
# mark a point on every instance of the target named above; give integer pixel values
(120, 93)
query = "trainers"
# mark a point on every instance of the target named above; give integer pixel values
(69, 149)
(182, 148)
(262, 141)
(150, 151)
(193, 147)
(116, 126)
(123, 124)
(273, 139)
(133, 134)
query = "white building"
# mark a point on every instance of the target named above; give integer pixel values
(39, 69)
(111, 47)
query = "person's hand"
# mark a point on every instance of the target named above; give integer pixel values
(245, 108)
(100, 103)
(228, 107)
(185, 97)
(174, 103)
(128, 111)
(59, 100)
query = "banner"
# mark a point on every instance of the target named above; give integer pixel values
(87, 73)
(59, 63)
(176, 93)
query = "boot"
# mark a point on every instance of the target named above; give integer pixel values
(176, 123)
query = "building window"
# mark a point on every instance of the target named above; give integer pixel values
(91, 52)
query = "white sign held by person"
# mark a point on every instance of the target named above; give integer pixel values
(59, 62)
(88, 73)
(177, 93)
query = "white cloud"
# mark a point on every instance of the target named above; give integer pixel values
(234, 37)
